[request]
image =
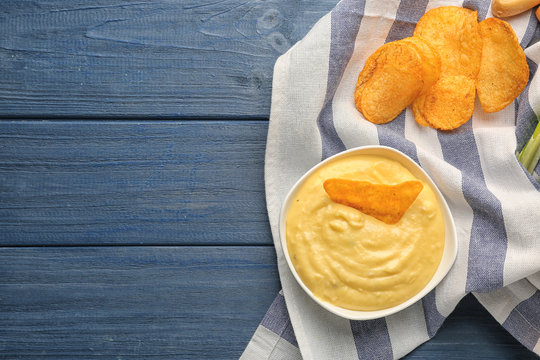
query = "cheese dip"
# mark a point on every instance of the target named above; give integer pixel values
(353, 260)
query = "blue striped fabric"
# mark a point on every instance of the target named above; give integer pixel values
(479, 5)
(529, 33)
(392, 133)
(490, 233)
(524, 319)
(346, 18)
(407, 15)
(277, 320)
(372, 339)
(433, 317)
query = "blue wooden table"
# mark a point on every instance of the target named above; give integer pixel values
(132, 210)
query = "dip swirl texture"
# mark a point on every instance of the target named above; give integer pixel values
(353, 260)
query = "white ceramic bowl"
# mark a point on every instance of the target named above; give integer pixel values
(450, 245)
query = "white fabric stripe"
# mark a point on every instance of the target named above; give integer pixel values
(522, 252)
(533, 53)
(407, 329)
(424, 137)
(537, 347)
(504, 118)
(297, 135)
(500, 303)
(490, 14)
(350, 125)
(330, 334)
(437, 3)
(266, 345)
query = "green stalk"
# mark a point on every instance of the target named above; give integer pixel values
(530, 154)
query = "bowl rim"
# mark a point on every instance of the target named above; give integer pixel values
(450, 245)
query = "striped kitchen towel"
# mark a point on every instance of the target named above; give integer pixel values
(495, 202)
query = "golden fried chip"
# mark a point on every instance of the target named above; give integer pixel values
(449, 103)
(431, 61)
(432, 69)
(440, 68)
(417, 108)
(384, 98)
(453, 32)
(394, 80)
(504, 72)
(387, 203)
(365, 75)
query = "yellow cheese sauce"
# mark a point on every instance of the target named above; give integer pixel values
(353, 260)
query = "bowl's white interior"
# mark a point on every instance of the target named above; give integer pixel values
(450, 246)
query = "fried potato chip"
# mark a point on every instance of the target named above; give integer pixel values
(384, 98)
(387, 203)
(439, 69)
(449, 103)
(504, 72)
(417, 108)
(453, 32)
(432, 69)
(365, 75)
(431, 61)
(390, 81)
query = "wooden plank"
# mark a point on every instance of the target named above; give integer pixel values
(133, 302)
(116, 58)
(172, 302)
(98, 183)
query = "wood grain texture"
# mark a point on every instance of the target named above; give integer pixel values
(172, 302)
(115, 58)
(133, 302)
(99, 183)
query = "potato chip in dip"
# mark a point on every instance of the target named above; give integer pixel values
(353, 260)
